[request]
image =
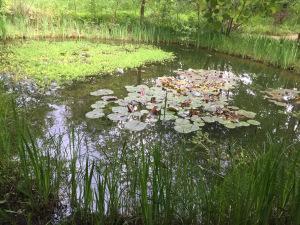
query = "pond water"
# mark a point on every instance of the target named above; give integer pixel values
(61, 114)
(65, 109)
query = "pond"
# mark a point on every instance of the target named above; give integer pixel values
(62, 111)
(67, 107)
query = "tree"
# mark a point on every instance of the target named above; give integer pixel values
(142, 12)
(2, 22)
(228, 15)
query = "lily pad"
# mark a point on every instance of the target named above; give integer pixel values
(122, 102)
(144, 112)
(246, 114)
(135, 125)
(180, 122)
(102, 92)
(234, 108)
(243, 124)
(222, 121)
(136, 114)
(196, 118)
(168, 117)
(183, 113)
(186, 128)
(208, 119)
(131, 88)
(99, 105)
(95, 114)
(283, 104)
(117, 117)
(230, 125)
(150, 106)
(253, 122)
(109, 98)
(199, 124)
(120, 110)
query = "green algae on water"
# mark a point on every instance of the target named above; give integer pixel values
(47, 61)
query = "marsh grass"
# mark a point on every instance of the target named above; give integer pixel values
(30, 177)
(261, 192)
(155, 186)
(279, 53)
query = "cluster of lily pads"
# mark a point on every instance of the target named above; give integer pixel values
(192, 99)
(284, 98)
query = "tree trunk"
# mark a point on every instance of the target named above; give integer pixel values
(142, 15)
(229, 26)
(198, 12)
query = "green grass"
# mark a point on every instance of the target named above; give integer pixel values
(48, 61)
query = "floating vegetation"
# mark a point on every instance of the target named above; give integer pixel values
(109, 98)
(200, 82)
(95, 114)
(63, 61)
(117, 117)
(192, 99)
(99, 105)
(102, 92)
(283, 97)
(253, 122)
(135, 125)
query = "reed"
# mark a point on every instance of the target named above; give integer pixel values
(146, 182)
(279, 53)
(31, 174)
(159, 187)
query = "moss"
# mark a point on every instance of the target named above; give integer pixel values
(61, 61)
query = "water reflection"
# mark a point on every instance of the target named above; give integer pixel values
(72, 102)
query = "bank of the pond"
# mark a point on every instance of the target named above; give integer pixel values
(48, 61)
(280, 53)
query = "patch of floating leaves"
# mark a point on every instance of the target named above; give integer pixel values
(192, 99)
(284, 98)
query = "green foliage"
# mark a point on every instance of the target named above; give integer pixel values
(61, 61)
(2, 22)
(259, 192)
(228, 15)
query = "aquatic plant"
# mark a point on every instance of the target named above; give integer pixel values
(28, 174)
(282, 97)
(47, 61)
(192, 99)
